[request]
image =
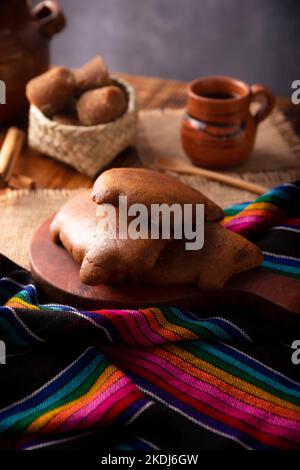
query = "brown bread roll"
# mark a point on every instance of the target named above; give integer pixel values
(105, 258)
(52, 92)
(102, 258)
(224, 253)
(92, 75)
(101, 106)
(148, 187)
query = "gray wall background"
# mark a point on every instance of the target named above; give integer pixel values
(255, 40)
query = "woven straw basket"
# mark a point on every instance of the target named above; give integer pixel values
(88, 149)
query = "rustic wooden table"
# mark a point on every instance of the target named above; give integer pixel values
(152, 93)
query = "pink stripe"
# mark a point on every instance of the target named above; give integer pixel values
(109, 396)
(239, 409)
(97, 413)
(152, 337)
(139, 318)
(253, 219)
(136, 329)
(241, 228)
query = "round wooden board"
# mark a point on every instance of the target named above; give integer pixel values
(58, 274)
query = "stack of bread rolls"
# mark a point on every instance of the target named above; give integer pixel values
(86, 96)
(107, 259)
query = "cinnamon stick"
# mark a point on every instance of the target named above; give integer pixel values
(179, 166)
(11, 149)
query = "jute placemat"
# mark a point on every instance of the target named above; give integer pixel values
(275, 159)
(21, 212)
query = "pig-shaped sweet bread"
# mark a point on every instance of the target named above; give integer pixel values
(102, 257)
(149, 187)
(106, 258)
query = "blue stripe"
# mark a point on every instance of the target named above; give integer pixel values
(199, 417)
(235, 332)
(64, 378)
(258, 366)
(59, 394)
(209, 324)
(280, 267)
(232, 357)
(281, 259)
(106, 323)
(131, 410)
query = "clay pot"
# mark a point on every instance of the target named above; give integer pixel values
(25, 33)
(218, 130)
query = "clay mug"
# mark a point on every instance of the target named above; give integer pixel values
(25, 33)
(218, 129)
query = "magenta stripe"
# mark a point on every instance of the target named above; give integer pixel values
(86, 411)
(240, 228)
(133, 326)
(245, 220)
(137, 329)
(152, 337)
(106, 405)
(211, 395)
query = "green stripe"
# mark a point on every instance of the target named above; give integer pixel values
(233, 210)
(59, 394)
(274, 199)
(205, 329)
(248, 369)
(225, 366)
(198, 329)
(282, 273)
(79, 391)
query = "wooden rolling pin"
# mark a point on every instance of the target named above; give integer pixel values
(9, 153)
(179, 166)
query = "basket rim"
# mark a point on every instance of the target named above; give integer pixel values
(131, 108)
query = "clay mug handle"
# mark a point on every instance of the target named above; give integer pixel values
(262, 94)
(50, 17)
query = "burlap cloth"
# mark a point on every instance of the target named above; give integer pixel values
(21, 212)
(275, 160)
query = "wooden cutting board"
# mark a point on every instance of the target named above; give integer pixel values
(58, 274)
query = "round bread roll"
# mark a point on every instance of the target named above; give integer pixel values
(101, 106)
(92, 75)
(52, 92)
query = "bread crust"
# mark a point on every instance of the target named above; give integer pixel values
(149, 187)
(106, 259)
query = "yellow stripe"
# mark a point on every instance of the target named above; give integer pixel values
(16, 302)
(179, 330)
(251, 207)
(41, 421)
(228, 378)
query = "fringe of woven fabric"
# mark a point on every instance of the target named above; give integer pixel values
(11, 194)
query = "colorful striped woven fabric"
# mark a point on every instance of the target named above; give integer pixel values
(275, 215)
(155, 378)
